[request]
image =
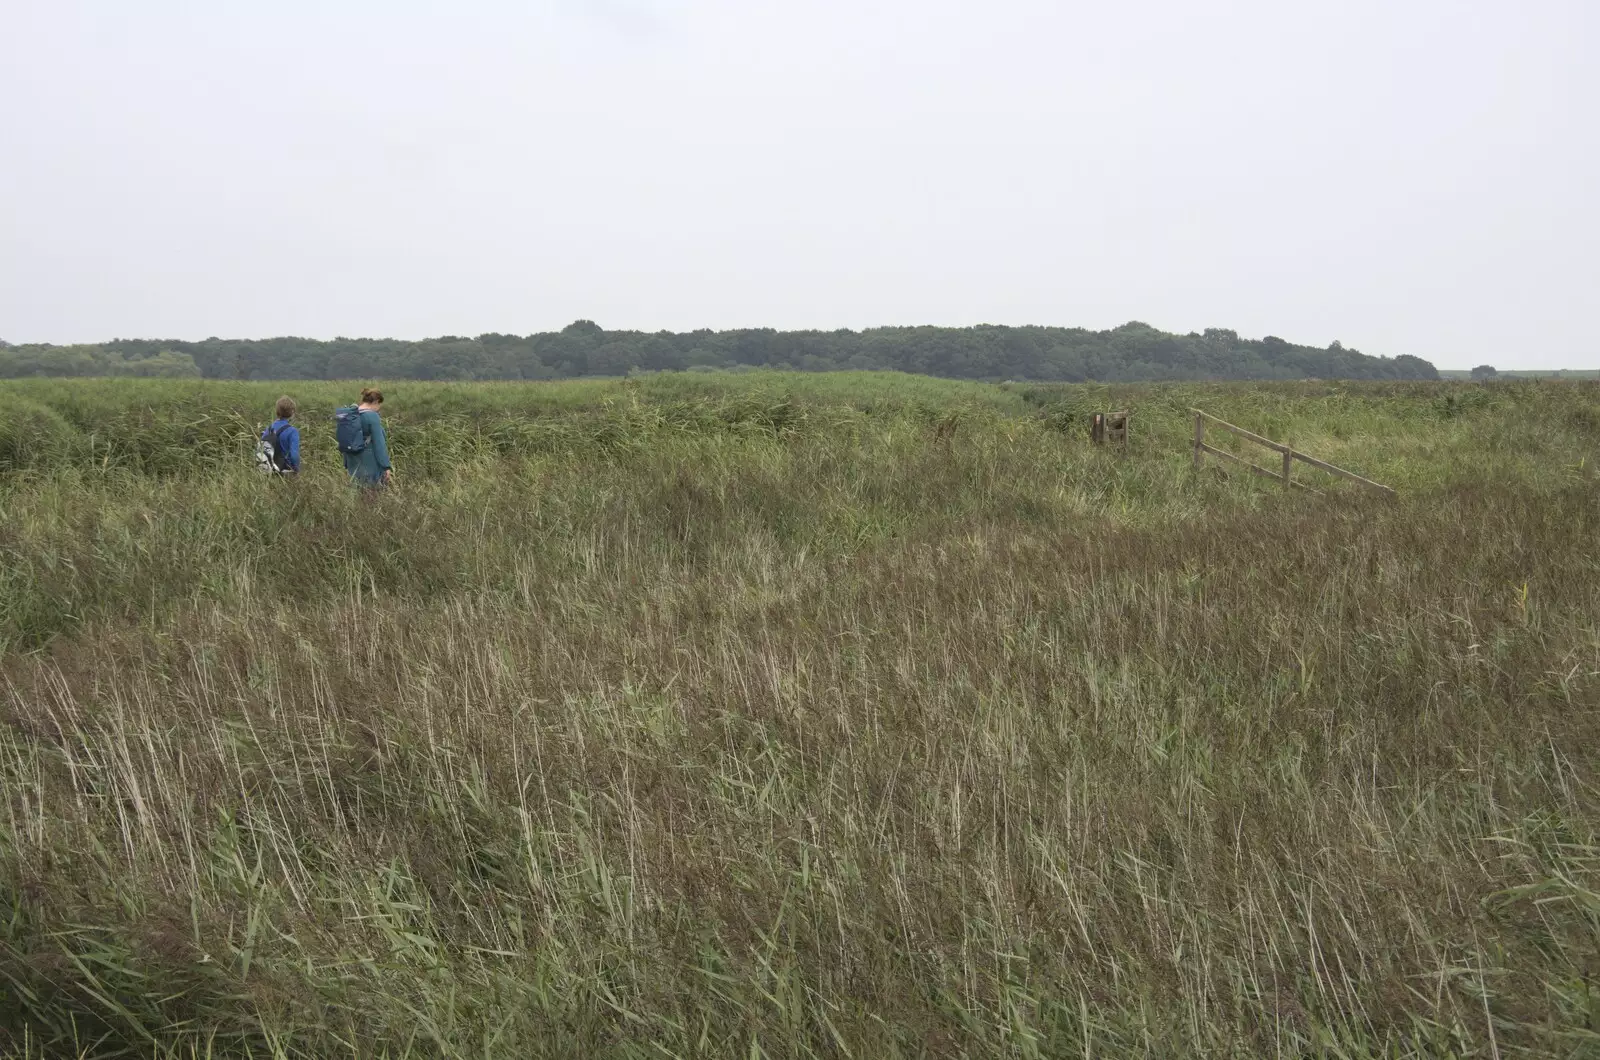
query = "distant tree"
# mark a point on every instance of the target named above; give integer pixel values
(1410, 367)
(614, 358)
(1484, 371)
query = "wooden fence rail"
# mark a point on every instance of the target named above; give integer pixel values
(1289, 456)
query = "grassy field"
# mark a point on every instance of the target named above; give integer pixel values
(790, 716)
(1512, 373)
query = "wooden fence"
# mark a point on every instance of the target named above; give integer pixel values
(1289, 456)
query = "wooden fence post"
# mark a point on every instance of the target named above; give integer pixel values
(1288, 453)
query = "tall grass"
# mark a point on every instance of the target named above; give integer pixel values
(765, 721)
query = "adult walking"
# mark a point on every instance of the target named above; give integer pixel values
(361, 440)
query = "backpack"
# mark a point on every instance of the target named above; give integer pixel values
(271, 458)
(349, 430)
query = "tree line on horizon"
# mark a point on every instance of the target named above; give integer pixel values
(1134, 352)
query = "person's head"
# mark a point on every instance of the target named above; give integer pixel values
(285, 408)
(372, 398)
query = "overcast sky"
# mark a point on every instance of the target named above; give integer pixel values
(1406, 176)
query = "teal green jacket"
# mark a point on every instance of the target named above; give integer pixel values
(368, 466)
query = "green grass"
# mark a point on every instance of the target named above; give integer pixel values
(781, 715)
(1534, 373)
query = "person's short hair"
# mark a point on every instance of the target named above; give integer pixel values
(370, 396)
(285, 407)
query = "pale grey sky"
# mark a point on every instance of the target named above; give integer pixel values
(1407, 176)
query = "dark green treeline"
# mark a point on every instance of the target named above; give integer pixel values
(1134, 352)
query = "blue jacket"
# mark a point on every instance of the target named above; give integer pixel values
(288, 441)
(367, 467)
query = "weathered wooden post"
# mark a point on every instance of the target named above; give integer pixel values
(1110, 428)
(1287, 452)
(1117, 429)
